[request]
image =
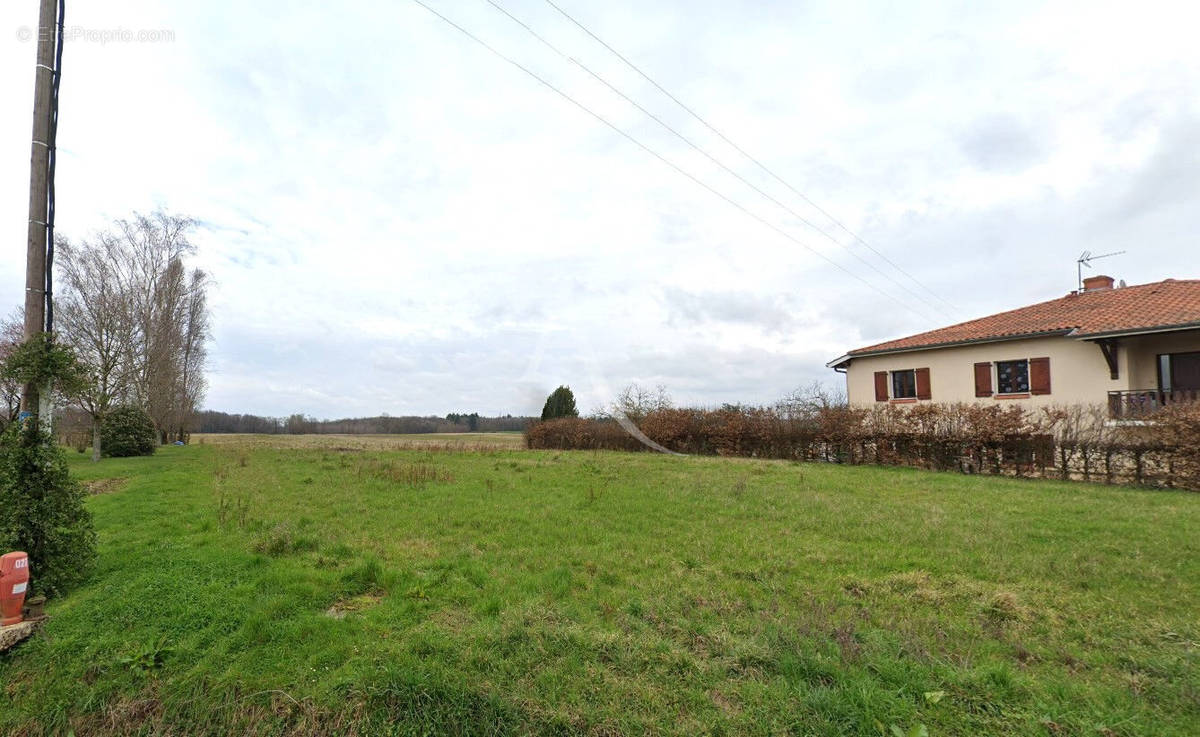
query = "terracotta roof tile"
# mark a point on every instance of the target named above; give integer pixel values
(1142, 307)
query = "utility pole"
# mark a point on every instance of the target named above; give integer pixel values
(39, 183)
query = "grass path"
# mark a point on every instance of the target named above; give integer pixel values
(507, 591)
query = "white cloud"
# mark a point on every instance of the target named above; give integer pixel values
(397, 220)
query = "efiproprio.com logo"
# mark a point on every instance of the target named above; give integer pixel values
(72, 34)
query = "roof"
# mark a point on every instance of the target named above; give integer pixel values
(1164, 305)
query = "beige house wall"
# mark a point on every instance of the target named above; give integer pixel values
(1144, 351)
(1078, 372)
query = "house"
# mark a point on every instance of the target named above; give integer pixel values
(1133, 348)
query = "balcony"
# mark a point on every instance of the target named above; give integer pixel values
(1141, 404)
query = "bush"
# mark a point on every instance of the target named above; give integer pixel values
(128, 431)
(1069, 442)
(560, 403)
(1179, 427)
(580, 434)
(42, 511)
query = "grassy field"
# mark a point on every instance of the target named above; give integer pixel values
(246, 588)
(417, 441)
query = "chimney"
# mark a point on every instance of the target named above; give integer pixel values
(1097, 283)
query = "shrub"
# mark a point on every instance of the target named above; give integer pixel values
(1179, 428)
(41, 507)
(560, 403)
(42, 510)
(1070, 442)
(128, 431)
(580, 434)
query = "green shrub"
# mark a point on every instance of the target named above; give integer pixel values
(128, 431)
(42, 510)
(560, 403)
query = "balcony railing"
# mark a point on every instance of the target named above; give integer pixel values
(1140, 404)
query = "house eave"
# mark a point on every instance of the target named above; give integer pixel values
(1139, 331)
(954, 344)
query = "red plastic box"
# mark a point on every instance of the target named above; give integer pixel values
(14, 579)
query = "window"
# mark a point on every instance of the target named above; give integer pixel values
(1012, 377)
(1179, 372)
(904, 384)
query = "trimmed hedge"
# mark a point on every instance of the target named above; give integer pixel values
(1067, 442)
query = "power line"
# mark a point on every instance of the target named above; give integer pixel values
(743, 152)
(712, 158)
(53, 164)
(660, 157)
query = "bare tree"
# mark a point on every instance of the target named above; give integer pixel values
(138, 316)
(636, 401)
(808, 400)
(192, 383)
(94, 316)
(176, 351)
(154, 248)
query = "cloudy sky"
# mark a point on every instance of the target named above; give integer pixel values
(399, 221)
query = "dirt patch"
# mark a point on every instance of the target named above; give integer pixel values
(273, 711)
(342, 607)
(727, 704)
(105, 486)
(452, 620)
(126, 716)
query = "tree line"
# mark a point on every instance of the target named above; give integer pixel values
(136, 316)
(298, 424)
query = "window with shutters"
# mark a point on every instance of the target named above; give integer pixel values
(1039, 376)
(881, 386)
(904, 384)
(924, 387)
(1012, 377)
(983, 379)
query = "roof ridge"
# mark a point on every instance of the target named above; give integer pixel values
(976, 319)
(1088, 312)
(1153, 284)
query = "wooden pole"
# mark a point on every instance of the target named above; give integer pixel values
(39, 180)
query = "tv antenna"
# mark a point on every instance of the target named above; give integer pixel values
(1085, 259)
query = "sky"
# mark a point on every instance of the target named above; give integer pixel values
(396, 220)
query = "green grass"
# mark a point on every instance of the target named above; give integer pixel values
(508, 591)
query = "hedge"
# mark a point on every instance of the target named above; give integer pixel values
(1073, 442)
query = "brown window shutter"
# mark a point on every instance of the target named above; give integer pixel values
(1039, 376)
(923, 389)
(881, 392)
(983, 379)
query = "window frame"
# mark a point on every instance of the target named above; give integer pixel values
(912, 372)
(1167, 361)
(996, 377)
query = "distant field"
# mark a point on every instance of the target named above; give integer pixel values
(245, 588)
(420, 441)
